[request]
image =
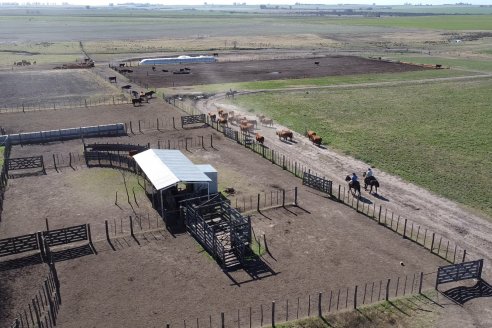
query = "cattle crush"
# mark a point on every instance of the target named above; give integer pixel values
(219, 228)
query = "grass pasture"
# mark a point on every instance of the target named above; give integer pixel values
(443, 22)
(429, 134)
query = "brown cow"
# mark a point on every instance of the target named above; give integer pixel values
(317, 140)
(284, 134)
(222, 121)
(311, 134)
(212, 116)
(221, 111)
(246, 127)
(260, 138)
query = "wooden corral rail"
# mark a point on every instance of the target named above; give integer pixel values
(23, 163)
(44, 239)
(19, 244)
(66, 235)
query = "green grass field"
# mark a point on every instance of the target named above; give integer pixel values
(444, 22)
(436, 135)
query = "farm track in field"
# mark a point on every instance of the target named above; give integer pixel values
(405, 199)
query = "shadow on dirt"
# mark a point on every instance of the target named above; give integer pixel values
(463, 294)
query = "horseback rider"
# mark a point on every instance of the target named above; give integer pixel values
(370, 174)
(354, 179)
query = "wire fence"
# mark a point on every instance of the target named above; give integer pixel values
(319, 304)
(73, 103)
(265, 200)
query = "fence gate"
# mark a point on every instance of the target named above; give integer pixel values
(317, 183)
(19, 244)
(460, 271)
(23, 163)
(230, 133)
(66, 235)
(192, 119)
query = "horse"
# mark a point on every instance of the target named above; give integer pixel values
(137, 101)
(355, 186)
(370, 181)
(231, 93)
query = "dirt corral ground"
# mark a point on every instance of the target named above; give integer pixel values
(31, 87)
(260, 70)
(320, 246)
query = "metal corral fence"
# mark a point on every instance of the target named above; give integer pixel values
(320, 304)
(69, 104)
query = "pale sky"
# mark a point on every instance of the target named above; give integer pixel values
(272, 2)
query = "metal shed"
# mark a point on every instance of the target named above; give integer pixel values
(166, 168)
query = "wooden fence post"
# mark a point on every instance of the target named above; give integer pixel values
(464, 256)
(421, 280)
(404, 229)
(432, 244)
(283, 197)
(107, 231)
(258, 204)
(222, 320)
(379, 217)
(273, 313)
(387, 289)
(174, 124)
(295, 196)
(355, 297)
(320, 311)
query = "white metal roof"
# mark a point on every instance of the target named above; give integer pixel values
(165, 168)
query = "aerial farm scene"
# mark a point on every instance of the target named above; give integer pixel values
(245, 165)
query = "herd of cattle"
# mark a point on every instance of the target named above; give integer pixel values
(249, 125)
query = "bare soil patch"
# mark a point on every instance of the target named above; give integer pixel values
(30, 87)
(260, 70)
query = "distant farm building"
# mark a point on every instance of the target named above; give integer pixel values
(178, 60)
